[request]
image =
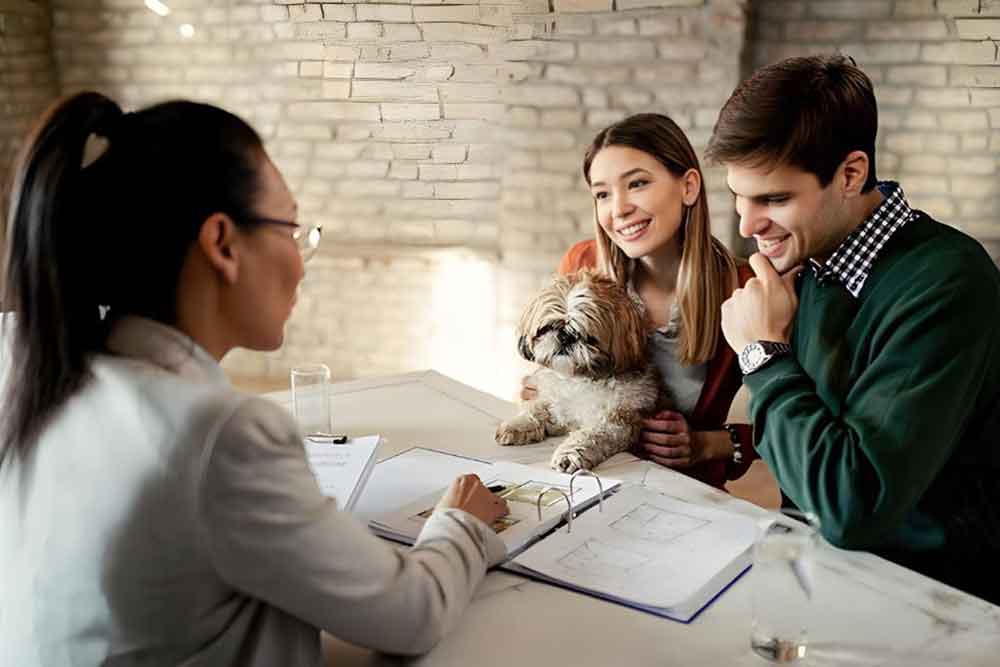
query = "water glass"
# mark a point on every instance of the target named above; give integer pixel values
(782, 585)
(311, 398)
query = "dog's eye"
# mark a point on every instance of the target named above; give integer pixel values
(544, 330)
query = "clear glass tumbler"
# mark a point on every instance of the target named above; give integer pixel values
(311, 398)
(782, 585)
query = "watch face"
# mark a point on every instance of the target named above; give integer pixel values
(752, 356)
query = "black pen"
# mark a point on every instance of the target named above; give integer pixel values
(333, 438)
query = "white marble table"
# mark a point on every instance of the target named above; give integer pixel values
(869, 612)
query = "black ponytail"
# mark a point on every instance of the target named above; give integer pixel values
(88, 241)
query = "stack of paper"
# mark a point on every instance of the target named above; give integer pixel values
(341, 469)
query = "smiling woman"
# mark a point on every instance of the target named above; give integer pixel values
(652, 236)
(639, 203)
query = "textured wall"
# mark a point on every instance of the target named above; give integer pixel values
(440, 142)
(378, 113)
(937, 76)
(27, 77)
(408, 128)
(368, 311)
(383, 119)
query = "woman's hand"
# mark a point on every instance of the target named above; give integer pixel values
(529, 390)
(668, 440)
(467, 493)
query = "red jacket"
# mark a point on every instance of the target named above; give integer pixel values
(722, 381)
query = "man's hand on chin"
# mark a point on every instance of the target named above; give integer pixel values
(763, 309)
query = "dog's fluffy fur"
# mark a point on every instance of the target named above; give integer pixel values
(597, 384)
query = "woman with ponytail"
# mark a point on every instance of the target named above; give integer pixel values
(652, 235)
(149, 513)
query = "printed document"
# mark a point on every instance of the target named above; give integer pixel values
(648, 550)
(342, 469)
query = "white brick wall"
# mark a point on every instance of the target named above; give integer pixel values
(937, 77)
(27, 76)
(411, 126)
(359, 104)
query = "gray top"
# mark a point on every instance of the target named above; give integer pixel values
(165, 519)
(683, 383)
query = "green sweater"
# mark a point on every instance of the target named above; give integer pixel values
(885, 419)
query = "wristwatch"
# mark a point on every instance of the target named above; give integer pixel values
(757, 355)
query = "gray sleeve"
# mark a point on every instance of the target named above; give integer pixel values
(271, 534)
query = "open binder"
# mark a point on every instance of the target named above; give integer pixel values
(646, 550)
(640, 548)
(538, 499)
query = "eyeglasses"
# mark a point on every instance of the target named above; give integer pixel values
(306, 237)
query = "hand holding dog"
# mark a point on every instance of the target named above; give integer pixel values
(763, 309)
(667, 439)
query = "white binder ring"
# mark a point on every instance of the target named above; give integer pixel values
(600, 485)
(569, 505)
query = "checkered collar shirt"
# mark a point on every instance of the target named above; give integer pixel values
(852, 261)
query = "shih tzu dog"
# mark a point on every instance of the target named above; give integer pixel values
(597, 384)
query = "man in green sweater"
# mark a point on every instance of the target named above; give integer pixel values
(870, 337)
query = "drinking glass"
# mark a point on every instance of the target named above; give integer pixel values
(782, 585)
(311, 398)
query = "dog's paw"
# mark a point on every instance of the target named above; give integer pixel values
(570, 459)
(521, 430)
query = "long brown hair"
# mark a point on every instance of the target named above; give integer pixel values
(708, 271)
(94, 235)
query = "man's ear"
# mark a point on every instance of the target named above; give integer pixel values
(854, 173)
(217, 240)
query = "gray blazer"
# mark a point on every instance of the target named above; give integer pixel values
(166, 519)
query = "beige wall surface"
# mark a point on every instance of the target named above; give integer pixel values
(27, 75)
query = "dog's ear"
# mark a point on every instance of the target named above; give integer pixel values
(621, 323)
(522, 347)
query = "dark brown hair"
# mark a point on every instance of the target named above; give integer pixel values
(708, 271)
(84, 245)
(807, 112)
